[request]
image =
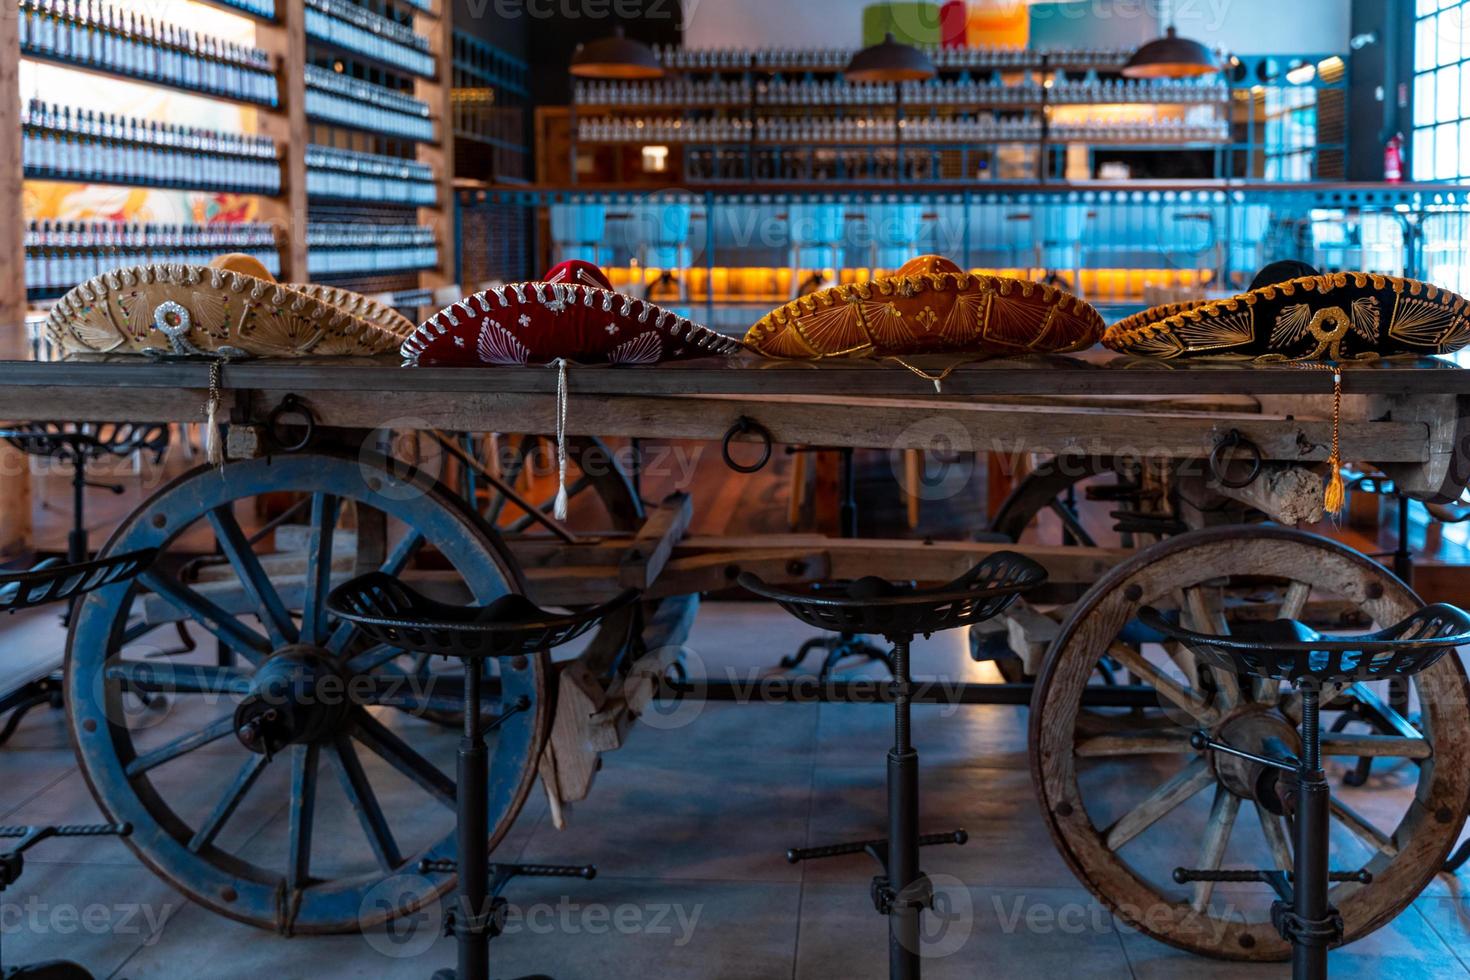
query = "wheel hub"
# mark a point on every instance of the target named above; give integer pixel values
(1264, 731)
(298, 695)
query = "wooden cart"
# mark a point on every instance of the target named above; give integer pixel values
(1110, 707)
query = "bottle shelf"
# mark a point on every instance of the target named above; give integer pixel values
(260, 9)
(101, 148)
(343, 175)
(59, 255)
(835, 60)
(351, 102)
(106, 39)
(357, 30)
(344, 249)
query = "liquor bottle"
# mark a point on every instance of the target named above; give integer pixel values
(66, 144)
(61, 254)
(98, 35)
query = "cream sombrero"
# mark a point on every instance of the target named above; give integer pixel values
(928, 307)
(1340, 316)
(231, 307)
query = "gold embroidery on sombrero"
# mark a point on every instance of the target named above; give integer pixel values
(1365, 318)
(1015, 323)
(884, 323)
(836, 327)
(1291, 324)
(1155, 343)
(1422, 322)
(1217, 332)
(968, 309)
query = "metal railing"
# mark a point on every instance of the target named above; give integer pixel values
(1104, 240)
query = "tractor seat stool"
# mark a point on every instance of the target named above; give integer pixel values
(1285, 650)
(80, 444)
(389, 612)
(899, 612)
(50, 582)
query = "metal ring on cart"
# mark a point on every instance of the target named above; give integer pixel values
(1232, 440)
(743, 426)
(291, 407)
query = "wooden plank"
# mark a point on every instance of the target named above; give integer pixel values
(849, 422)
(1030, 633)
(793, 555)
(1095, 373)
(593, 717)
(654, 542)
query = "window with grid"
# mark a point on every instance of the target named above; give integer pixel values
(1441, 144)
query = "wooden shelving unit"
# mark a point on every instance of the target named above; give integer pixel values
(285, 39)
(985, 106)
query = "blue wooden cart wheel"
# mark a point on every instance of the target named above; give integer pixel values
(292, 786)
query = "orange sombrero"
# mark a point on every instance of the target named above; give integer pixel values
(928, 307)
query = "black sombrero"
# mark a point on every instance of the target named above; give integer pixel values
(1340, 316)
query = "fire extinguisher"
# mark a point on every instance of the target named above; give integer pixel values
(1393, 159)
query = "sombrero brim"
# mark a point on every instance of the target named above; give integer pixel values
(541, 322)
(365, 307)
(1338, 316)
(938, 313)
(211, 310)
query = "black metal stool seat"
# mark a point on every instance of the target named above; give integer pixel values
(391, 613)
(899, 612)
(50, 582)
(80, 443)
(895, 609)
(1287, 650)
(53, 581)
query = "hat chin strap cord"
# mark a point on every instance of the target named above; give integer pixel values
(559, 509)
(1334, 493)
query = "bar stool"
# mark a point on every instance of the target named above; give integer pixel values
(389, 612)
(1285, 650)
(898, 612)
(50, 582)
(81, 443)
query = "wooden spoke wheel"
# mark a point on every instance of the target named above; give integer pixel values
(1128, 800)
(1051, 488)
(600, 495)
(287, 782)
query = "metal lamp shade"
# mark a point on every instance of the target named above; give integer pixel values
(1171, 56)
(615, 57)
(889, 61)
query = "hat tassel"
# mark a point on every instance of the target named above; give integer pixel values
(1333, 496)
(213, 451)
(1335, 493)
(559, 509)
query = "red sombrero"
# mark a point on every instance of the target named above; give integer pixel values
(573, 314)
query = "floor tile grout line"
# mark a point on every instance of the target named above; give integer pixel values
(60, 778)
(811, 803)
(1435, 930)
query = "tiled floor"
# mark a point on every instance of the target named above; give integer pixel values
(688, 825)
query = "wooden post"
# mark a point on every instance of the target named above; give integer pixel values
(286, 40)
(439, 29)
(15, 483)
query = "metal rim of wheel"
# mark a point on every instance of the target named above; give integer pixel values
(1293, 567)
(187, 851)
